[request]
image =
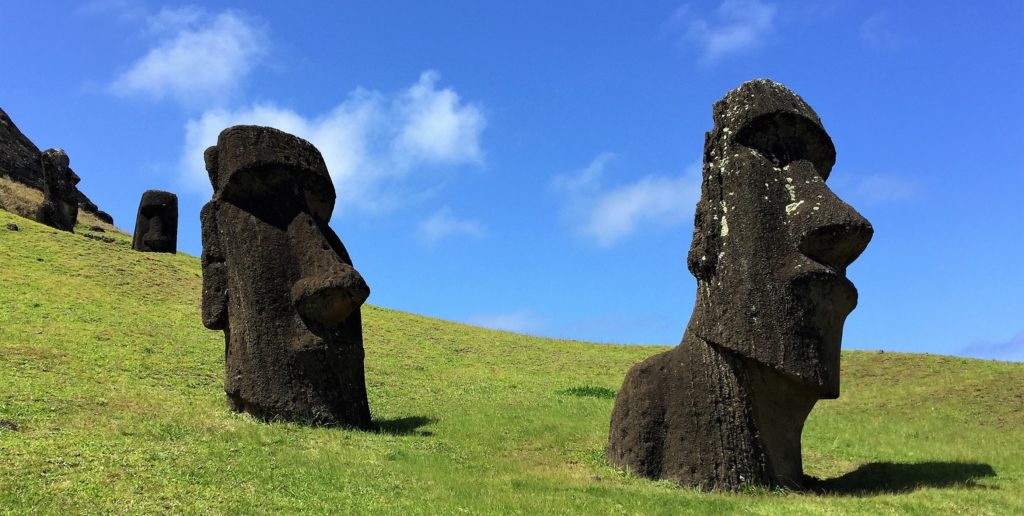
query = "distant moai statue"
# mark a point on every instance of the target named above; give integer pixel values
(770, 248)
(58, 209)
(280, 283)
(156, 226)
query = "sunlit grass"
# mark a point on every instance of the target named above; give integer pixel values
(115, 389)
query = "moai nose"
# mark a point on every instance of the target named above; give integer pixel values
(329, 289)
(828, 230)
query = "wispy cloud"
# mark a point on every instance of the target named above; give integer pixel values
(1012, 349)
(121, 10)
(886, 188)
(735, 26)
(520, 321)
(372, 142)
(443, 223)
(607, 215)
(880, 188)
(197, 56)
(876, 31)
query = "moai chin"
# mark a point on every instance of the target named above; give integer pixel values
(770, 248)
(280, 283)
(156, 226)
(58, 210)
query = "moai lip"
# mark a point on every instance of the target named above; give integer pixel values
(770, 249)
(280, 283)
(156, 225)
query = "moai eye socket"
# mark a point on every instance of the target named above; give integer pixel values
(787, 137)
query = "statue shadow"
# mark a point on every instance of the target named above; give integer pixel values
(403, 426)
(894, 478)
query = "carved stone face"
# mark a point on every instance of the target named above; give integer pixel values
(156, 227)
(280, 282)
(58, 209)
(772, 242)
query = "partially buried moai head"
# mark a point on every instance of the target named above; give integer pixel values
(58, 209)
(280, 283)
(771, 241)
(156, 226)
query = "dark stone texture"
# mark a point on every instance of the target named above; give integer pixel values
(19, 160)
(280, 283)
(770, 248)
(13, 227)
(156, 226)
(58, 210)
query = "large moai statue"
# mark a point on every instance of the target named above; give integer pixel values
(280, 283)
(156, 226)
(770, 248)
(59, 210)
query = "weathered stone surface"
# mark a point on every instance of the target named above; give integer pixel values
(13, 227)
(19, 160)
(280, 283)
(156, 226)
(770, 248)
(59, 209)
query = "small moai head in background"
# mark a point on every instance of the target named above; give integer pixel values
(771, 241)
(280, 283)
(58, 209)
(156, 226)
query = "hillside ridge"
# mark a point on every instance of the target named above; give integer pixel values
(111, 399)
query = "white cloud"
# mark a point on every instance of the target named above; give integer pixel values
(443, 224)
(521, 321)
(608, 215)
(197, 56)
(876, 32)
(371, 142)
(437, 127)
(737, 25)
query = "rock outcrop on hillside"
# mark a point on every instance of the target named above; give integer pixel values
(19, 160)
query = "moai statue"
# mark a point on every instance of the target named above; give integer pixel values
(280, 283)
(156, 226)
(770, 248)
(58, 210)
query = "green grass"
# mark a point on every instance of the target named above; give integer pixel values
(114, 388)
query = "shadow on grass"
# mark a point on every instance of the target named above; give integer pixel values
(894, 478)
(403, 425)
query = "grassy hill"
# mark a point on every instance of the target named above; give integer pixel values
(111, 401)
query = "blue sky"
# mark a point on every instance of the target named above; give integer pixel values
(534, 167)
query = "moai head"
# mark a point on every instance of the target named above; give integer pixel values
(280, 283)
(156, 226)
(58, 209)
(771, 241)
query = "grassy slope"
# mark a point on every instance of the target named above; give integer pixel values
(115, 388)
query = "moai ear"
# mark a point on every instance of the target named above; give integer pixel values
(215, 272)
